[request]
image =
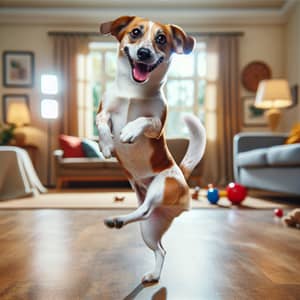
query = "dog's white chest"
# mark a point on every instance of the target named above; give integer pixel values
(125, 110)
(134, 157)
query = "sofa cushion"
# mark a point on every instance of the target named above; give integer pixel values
(90, 163)
(252, 158)
(284, 155)
(91, 148)
(71, 145)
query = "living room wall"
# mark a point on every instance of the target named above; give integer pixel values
(259, 42)
(292, 45)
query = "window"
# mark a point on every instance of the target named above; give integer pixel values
(185, 87)
(96, 72)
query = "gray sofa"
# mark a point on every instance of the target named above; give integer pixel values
(263, 161)
(95, 169)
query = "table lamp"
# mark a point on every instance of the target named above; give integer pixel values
(272, 95)
(18, 114)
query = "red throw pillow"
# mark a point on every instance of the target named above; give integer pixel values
(71, 145)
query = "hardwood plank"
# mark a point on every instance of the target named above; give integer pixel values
(211, 254)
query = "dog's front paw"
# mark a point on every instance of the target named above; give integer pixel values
(107, 151)
(106, 143)
(150, 278)
(114, 223)
(128, 135)
(132, 131)
(106, 147)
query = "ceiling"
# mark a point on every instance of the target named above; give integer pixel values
(185, 12)
(200, 4)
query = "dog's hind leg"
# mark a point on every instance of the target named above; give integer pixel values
(152, 199)
(141, 213)
(152, 231)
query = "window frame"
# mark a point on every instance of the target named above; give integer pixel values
(87, 111)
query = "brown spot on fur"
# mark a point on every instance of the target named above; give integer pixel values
(118, 26)
(161, 158)
(174, 192)
(99, 108)
(127, 173)
(137, 22)
(159, 28)
(182, 43)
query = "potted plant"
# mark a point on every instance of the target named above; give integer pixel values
(6, 134)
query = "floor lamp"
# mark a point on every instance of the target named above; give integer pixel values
(49, 112)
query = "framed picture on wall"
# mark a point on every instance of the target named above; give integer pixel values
(294, 94)
(18, 69)
(253, 116)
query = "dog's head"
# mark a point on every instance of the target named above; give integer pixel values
(147, 45)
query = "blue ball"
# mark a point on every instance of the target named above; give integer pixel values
(213, 195)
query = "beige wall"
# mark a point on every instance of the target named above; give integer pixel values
(265, 42)
(292, 55)
(35, 39)
(32, 38)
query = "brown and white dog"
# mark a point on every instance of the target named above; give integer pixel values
(131, 121)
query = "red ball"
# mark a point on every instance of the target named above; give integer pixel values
(236, 193)
(278, 212)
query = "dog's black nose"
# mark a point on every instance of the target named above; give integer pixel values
(144, 53)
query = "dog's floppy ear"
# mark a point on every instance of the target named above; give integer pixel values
(116, 27)
(182, 43)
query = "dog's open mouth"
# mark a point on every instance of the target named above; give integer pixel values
(141, 71)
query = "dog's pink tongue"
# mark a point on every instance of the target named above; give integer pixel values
(140, 73)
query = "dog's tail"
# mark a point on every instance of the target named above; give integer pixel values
(196, 146)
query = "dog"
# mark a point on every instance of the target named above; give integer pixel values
(130, 122)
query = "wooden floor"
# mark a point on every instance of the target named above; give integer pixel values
(212, 254)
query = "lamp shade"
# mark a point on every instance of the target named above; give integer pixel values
(18, 114)
(274, 93)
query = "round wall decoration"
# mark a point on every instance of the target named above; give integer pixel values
(253, 73)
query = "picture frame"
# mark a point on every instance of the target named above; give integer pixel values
(252, 116)
(294, 94)
(18, 69)
(8, 99)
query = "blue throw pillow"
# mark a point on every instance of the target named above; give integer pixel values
(91, 148)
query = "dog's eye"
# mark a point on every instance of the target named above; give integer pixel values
(161, 39)
(135, 33)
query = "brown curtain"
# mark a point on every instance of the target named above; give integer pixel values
(223, 108)
(66, 50)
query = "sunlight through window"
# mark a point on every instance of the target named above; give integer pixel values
(185, 87)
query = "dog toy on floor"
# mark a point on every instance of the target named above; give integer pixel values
(278, 212)
(195, 194)
(236, 193)
(212, 194)
(131, 120)
(292, 218)
(119, 198)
